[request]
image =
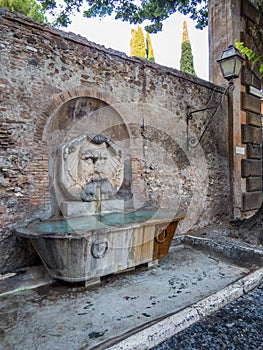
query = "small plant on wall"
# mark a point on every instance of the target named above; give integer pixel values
(255, 54)
(250, 54)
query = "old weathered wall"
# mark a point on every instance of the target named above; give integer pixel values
(56, 85)
(241, 20)
(251, 129)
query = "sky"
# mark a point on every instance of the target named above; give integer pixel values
(116, 34)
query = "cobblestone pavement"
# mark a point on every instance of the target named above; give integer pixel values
(238, 326)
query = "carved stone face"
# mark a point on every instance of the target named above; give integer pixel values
(90, 158)
(85, 168)
(93, 164)
(100, 165)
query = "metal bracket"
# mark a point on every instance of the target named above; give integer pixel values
(192, 141)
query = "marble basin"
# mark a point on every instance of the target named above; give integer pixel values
(89, 247)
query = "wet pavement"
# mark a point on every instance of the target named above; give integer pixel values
(121, 307)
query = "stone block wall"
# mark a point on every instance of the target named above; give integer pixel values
(240, 20)
(251, 131)
(56, 85)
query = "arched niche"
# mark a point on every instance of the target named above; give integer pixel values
(79, 116)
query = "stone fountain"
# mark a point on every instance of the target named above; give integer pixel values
(95, 236)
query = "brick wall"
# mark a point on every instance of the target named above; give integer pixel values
(46, 75)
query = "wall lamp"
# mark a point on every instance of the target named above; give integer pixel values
(230, 63)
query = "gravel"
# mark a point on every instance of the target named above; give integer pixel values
(238, 326)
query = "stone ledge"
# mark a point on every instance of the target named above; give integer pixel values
(74, 209)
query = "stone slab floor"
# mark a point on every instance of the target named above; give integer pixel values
(62, 317)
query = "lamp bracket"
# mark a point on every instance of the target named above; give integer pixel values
(192, 141)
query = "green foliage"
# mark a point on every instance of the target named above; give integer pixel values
(186, 61)
(149, 48)
(132, 11)
(137, 43)
(250, 54)
(29, 8)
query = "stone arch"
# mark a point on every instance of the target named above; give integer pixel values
(68, 95)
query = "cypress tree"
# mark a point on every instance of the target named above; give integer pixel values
(186, 62)
(149, 48)
(132, 41)
(137, 43)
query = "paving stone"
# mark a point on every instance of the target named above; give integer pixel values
(63, 317)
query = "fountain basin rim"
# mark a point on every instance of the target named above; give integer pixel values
(32, 229)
